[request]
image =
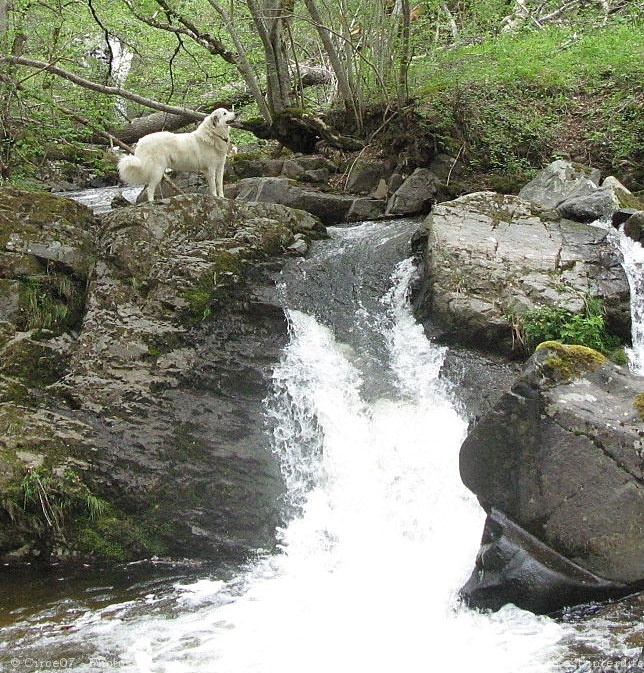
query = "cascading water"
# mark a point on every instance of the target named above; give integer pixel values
(633, 254)
(380, 532)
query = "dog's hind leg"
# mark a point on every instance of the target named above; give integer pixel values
(155, 178)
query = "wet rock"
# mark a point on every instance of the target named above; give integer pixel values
(634, 227)
(560, 456)
(513, 566)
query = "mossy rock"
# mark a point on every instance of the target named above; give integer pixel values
(570, 361)
(638, 405)
(34, 363)
(47, 227)
(49, 506)
(113, 537)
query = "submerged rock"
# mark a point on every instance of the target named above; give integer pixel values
(560, 455)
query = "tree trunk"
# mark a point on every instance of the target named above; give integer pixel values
(4, 17)
(344, 86)
(272, 20)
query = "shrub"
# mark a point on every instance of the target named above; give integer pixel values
(555, 323)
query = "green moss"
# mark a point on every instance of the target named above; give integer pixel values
(570, 362)
(54, 302)
(224, 274)
(639, 404)
(114, 537)
(55, 510)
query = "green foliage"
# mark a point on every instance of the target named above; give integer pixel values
(513, 102)
(507, 101)
(44, 502)
(52, 303)
(555, 323)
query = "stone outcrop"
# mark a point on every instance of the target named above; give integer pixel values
(416, 194)
(137, 429)
(490, 257)
(330, 208)
(560, 455)
(560, 181)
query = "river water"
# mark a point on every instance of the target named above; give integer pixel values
(380, 532)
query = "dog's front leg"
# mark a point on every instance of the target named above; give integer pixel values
(211, 176)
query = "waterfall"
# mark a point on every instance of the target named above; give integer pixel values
(120, 69)
(379, 533)
(633, 254)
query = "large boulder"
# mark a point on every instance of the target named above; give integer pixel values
(416, 194)
(559, 181)
(489, 258)
(575, 192)
(147, 437)
(560, 456)
(591, 207)
(513, 566)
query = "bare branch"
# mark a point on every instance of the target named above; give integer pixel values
(557, 12)
(108, 90)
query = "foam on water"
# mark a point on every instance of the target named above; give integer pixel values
(382, 535)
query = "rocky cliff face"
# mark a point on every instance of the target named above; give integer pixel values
(137, 428)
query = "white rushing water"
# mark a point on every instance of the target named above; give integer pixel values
(633, 254)
(382, 536)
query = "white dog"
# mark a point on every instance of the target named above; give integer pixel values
(204, 149)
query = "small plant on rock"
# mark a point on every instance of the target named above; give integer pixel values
(555, 323)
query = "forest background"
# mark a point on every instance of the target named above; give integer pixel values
(505, 86)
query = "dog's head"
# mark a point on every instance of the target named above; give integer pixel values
(221, 116)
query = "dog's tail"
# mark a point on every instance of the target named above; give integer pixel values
(132, 170)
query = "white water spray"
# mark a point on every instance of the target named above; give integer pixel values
(382, 535)
(633, 254)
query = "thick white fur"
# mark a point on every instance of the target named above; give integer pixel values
(203, 149)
